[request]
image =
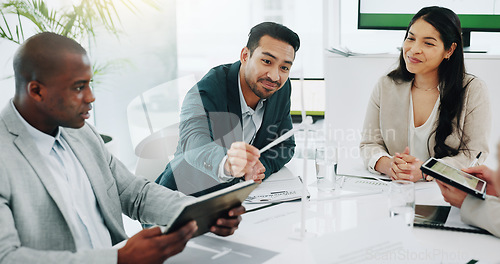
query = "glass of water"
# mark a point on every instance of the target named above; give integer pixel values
(402, 200)
(325, 172)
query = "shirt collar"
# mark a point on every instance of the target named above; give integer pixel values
(245, 109)
(43, 141)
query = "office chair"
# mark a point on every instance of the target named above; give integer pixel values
(153, 119)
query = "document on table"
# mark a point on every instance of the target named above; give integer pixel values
(358, 184)
(281, 186)
(354, 166)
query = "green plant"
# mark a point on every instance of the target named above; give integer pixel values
(78, 21)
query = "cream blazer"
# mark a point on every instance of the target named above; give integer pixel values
(386, 125)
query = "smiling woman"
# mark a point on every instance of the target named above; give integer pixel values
(435, 108)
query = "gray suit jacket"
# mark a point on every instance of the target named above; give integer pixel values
(33, 218)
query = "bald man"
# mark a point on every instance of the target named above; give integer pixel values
(61, 192)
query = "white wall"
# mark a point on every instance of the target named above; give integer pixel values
(6, 82)
(7, 88)
(148, 49)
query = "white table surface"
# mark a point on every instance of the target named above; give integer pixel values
(277, 228)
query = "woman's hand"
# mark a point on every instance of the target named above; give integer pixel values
(406, 167)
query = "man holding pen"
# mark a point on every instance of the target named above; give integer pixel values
(233, 111)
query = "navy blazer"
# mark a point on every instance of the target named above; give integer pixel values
(211, 122)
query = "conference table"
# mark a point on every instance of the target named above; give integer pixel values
(342, 226)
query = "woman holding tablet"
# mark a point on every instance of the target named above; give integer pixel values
(428, 106)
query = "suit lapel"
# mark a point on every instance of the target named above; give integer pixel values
(26, 146)
(233, 93)
(24, 142)
(234, 132)
(397, 118)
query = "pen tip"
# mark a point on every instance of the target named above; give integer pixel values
(479, 155)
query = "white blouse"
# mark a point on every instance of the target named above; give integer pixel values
(418, 136)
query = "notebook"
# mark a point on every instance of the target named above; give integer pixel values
(442, 217)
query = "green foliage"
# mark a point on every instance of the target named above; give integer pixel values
(77, 22)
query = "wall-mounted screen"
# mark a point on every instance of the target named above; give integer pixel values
(477, 15)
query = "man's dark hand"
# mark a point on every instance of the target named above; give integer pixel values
(151, 246)
(227, 226)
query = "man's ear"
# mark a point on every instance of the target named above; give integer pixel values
(245, 55)
(36, 91)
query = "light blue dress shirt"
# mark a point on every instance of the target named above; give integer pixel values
(252, 121)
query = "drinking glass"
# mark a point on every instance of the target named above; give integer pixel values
(402, 200)
(325, 172)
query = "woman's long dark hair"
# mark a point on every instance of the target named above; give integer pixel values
(451, 74)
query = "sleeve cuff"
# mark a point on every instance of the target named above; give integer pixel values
(221, 175)
(373, 161)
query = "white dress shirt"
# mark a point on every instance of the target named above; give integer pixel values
(251, 120)
(73, 183)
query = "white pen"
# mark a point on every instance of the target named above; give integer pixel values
(279, 140)
(474, 162)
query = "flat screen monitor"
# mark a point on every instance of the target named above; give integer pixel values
(477, 15)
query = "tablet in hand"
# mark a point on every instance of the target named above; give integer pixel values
(455, 177)
(208, 208)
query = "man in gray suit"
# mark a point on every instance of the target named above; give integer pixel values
(62, 193)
